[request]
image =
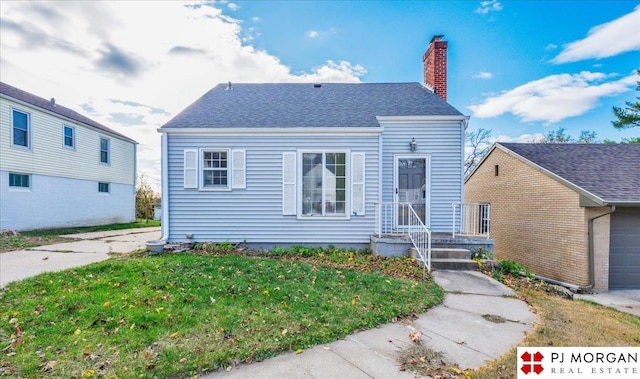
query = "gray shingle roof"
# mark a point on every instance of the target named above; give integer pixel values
(611, 172)
(306, 105)
(39, 102)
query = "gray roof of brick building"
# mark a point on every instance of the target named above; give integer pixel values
(609, 171)
(284, 105)
(31, 99)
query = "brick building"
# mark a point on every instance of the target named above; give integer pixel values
(568, 212)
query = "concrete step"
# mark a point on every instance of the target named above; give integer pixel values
(454, 264)
(451, 253)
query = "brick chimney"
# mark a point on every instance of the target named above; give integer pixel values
(435, 66)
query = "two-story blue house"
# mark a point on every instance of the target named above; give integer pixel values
(279, 164)
(59, 168)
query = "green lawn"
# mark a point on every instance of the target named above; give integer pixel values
(50, 236)
(183, 314)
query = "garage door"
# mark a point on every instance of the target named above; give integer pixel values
(624, 251)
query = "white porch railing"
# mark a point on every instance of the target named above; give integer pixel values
(471, 219)
(402, 219)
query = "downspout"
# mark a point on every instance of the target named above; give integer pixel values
(380, 163)
(165, 187)
(592, 259)
(592, 264)
(135, 177)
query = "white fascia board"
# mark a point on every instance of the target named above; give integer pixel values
(428, 119)
(275, 131)
(596, 199)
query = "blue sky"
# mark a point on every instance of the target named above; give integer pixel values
(519, 68)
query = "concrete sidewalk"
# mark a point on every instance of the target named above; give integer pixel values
(457, 328)
(91, 247)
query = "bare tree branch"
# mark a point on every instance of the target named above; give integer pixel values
(478, 144)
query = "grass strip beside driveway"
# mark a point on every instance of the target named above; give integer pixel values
(26, 240)
(183, 314)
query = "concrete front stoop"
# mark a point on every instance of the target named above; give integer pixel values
(447, 253)
(452, 259)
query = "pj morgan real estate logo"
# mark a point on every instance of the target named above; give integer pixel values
(578, 362)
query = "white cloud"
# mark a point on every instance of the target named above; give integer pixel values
(87, 55)
(322, 33)
(489, 6)
(606, 40)
(523, 138)
(255, 19)
(555, 97)
(483, 75)
(551, 46)
(233, 6)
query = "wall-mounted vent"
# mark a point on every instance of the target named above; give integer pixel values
(317, 85)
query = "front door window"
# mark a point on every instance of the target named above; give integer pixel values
(411, 187)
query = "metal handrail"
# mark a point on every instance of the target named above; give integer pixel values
(471, 219)
(387, 222)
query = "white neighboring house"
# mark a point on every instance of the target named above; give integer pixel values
(59, 168)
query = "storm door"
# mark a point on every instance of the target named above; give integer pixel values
(412, 186)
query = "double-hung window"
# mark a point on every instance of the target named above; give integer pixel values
(324, 184)
(104, 150)
(18, 180)
(20, 129)
(69, 136)
(215, 169)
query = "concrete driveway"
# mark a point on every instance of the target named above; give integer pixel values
(623, 300)
(89, 248)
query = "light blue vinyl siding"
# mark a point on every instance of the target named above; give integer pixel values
(442, 141)
(254, 214)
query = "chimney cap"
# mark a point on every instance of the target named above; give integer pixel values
(53, 101)
(437, 37)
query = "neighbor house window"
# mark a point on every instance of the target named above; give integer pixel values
(20, 128)
(324, 184)
(215, 169)
(18, 180)
(104, 150)
(69, 136)
(103, 187)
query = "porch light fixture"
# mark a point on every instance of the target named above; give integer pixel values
(413, 145)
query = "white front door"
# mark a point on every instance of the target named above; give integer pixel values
(412, 185)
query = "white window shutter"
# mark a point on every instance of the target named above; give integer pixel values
(190, 168)
(357, 184)
(289, 183)
(238, 169)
